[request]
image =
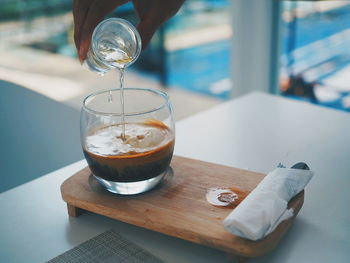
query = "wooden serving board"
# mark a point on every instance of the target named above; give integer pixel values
(178, 207)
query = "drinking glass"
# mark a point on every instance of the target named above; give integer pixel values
(115, 43)
(120, 171)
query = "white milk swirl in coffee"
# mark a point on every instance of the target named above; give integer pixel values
(139, 138)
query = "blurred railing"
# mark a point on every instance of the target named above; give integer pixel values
(29, 9)
(24, 21)
(315, 49)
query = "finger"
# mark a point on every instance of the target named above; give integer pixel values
(97, 12)
(80, 11)
(142, 8)
(146, 29)
(86, 33)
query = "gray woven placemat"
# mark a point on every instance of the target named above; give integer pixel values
(108, 247)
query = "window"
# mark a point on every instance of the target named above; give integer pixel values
(315, 62)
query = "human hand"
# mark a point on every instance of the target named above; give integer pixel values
(88, 13)
(152, 14)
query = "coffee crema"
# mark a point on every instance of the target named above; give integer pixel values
(144, 153)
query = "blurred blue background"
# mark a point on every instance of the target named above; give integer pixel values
(192, 51)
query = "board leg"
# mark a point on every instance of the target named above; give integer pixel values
(74, 211)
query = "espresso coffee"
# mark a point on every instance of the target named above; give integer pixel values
(144, 153)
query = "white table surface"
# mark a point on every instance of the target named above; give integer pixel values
(253, 132)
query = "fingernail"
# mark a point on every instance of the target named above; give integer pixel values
(80, 56)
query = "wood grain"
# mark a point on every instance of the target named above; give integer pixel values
(178, 207)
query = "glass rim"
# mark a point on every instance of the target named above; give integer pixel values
(126, 23)
(154, 91)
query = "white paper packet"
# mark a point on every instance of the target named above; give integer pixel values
(266, 206)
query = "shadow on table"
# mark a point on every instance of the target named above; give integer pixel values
(290, 241)
(38, 135)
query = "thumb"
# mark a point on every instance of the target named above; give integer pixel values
(146, 29)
